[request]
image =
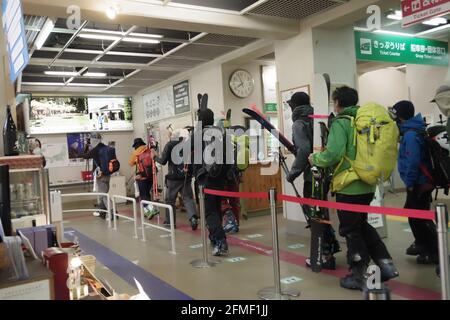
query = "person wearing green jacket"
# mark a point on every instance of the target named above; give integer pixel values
(363, 241)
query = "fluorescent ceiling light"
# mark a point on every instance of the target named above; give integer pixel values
(44, 33)
(140, 40)
(435, 21)
(61, 73)
(133, 54)
(98, 37)
(42, 84)
(440, 28)
(114, 38)
(74, 84)
(394, 33)
(395, 16)
(94, 74)
(146, 35)
(111, 12)
(120, 33)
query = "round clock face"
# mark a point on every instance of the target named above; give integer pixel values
(241, 83)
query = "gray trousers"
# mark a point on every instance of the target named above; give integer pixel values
(173, 188)
(103, 187)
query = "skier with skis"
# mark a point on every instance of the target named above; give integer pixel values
(363, 241)
(303, 136)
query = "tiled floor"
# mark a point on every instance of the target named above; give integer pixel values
(252, 268)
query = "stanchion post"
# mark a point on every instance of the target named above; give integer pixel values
(108, 207)
(203, 263)
(275, 293)
(141, 207)
(135, 219)
(114, 213)
(442, 228)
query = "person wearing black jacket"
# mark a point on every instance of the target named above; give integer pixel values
(100, 169)
(178, 181)
(213, 203)
(303, 138)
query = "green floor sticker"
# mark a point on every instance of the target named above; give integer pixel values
(236, 259)
(289, 280)
(196, 246)
(165, 236)
(408, 230)
(296, 246)
(253, 236)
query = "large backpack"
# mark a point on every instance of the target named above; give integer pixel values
(215, 159)
(144, 164)
(439, 175)
(108, 161)
(241, 145)
(376, 139)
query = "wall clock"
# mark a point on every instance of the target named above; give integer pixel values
(241, 83)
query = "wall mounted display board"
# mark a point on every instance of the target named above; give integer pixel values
(80, 114)
(181, 97)
(392, 48)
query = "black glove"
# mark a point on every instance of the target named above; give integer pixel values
(290, 178)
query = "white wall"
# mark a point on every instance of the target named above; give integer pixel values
(423, 82)
(384, 86)
(237, 104)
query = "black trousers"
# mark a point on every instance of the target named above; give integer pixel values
(213, 208)
(363, 241)
(424, 231)
(145, 188)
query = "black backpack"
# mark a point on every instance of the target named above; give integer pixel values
(439, 175)
(216, 164)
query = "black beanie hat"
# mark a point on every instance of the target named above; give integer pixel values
(404, 109)
(299, 99)
(206, 116)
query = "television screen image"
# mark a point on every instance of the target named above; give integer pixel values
(80, 114)
(78, 144)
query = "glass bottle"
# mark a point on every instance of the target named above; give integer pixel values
(9, 134)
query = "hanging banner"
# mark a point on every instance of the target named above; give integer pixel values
(392, 48)
(416, 11)
(16, 40)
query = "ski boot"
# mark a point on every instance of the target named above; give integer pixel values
(357, 278)
(388, 270)
(220, 248)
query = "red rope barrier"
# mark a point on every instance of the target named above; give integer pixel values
(410, 213)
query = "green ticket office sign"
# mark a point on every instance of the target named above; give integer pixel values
(392, 48)
(270, 108)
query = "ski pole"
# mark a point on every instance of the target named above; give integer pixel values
(297, 194)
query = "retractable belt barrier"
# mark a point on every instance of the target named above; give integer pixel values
(411, 213)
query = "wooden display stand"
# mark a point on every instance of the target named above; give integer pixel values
(253, 181)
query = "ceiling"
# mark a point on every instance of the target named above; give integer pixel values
(107, 58)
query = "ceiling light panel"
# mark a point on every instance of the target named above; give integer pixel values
(234, 5)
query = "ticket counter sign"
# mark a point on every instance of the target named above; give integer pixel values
(416, 11)
(372, 46)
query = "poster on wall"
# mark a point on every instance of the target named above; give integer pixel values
(78, 144)
(286, 109)
(79, 114)
(159, 105)
(56, 155)
(181, 97)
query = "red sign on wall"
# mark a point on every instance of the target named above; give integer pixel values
(416, 11)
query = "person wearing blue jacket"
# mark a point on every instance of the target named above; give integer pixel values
(414, 163)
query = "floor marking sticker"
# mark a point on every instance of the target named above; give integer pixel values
(289, 280)
(165, 236)
(296, 246)
(196, 246)
(236, 259)
(408, 230)
(253, 236)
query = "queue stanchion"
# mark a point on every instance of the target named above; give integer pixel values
(275, 293)
(442, 229)
(204, 262)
